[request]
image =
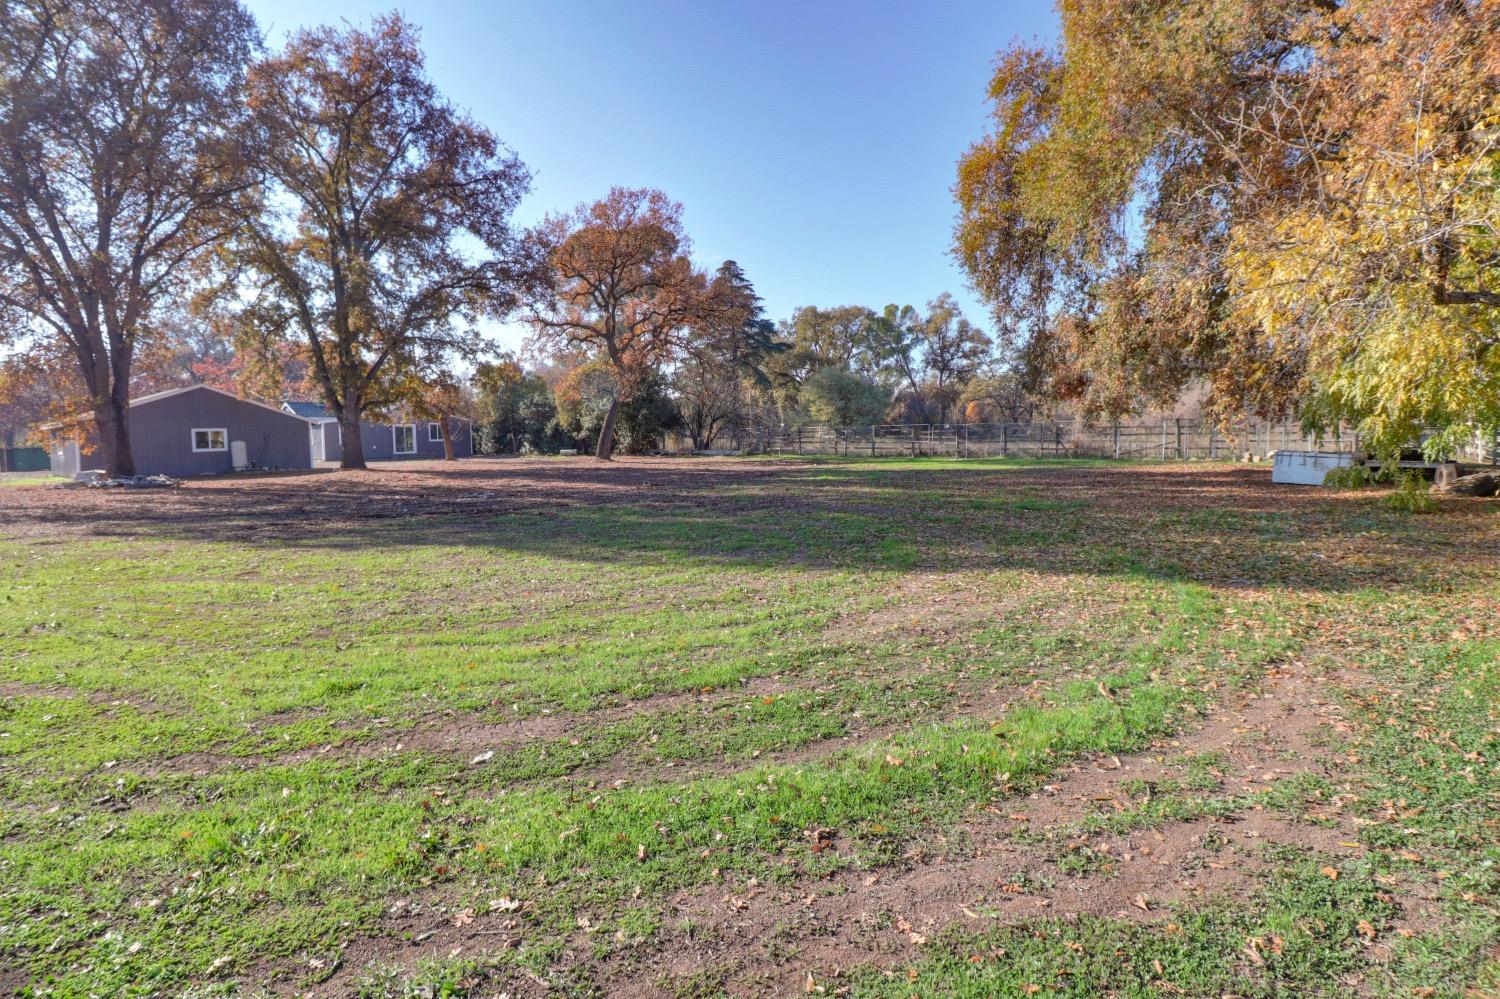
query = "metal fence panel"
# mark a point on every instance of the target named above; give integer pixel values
(24, 459)
(1164, 440)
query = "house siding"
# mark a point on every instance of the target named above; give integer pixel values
(463, 440)
(161, 435)
(378, 440)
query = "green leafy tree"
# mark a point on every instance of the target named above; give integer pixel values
(589, 403)
(514, 408)
(843, 398)
(821, 338)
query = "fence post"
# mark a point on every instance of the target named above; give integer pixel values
(1005, 440)
(913, 440)
(1117, 440)
(872, 440)
(1163, 438)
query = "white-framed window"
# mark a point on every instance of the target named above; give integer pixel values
(434, 431)
(210, 439)
(404, 438)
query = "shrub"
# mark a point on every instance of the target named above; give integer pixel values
(1412, 495)
(1349, 477)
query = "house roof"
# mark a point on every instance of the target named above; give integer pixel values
(200, 387)
(307, 409)
(316, 412)
(154, 396)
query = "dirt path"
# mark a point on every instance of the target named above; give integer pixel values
(1001, 865)
(983, 872)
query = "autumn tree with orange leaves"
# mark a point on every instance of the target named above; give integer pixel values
(620, 284)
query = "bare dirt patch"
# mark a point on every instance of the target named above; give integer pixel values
(928, 606)
(1240, 510)
(1000, 866)
(982, 872)
(308, 503)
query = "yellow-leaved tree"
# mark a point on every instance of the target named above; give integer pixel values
(1296, 201)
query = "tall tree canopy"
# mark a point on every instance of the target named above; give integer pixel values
(1295, 200)
(620, 284)
(952, 352)
(843, 398)
(384, 231)
(923, 360)
(117, 166)
(838, 337)
(716, 381)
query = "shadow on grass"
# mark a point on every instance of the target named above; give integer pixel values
(1220, 524)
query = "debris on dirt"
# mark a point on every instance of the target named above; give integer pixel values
(99, 480)
(820, 839)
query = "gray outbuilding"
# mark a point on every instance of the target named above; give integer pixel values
(382, 441)
(201, 430)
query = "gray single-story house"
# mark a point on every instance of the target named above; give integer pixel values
(198, 430)
(414, 439)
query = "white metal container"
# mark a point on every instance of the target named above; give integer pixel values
(1309, 468)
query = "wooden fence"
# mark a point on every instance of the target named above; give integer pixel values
(1164, 440)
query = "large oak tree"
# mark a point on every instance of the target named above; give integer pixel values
(383, 235)
(117, 166)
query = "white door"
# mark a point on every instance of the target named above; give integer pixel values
(65, 459)
(316, 430)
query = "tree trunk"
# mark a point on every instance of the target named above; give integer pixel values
(447, 438)
(354, 448)
(114, 438)
(606, 446)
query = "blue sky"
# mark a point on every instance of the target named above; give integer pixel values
(813, 142)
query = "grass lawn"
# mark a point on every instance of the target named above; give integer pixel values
(748, 727)
(23, 479)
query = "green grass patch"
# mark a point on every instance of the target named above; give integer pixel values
(198, 777)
